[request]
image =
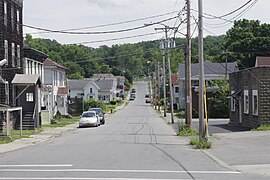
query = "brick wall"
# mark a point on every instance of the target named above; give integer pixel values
(251, 79)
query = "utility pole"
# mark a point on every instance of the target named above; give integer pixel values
(164, 78)
(158, 78)
(188, 71)
(201, 79)
(167, 46)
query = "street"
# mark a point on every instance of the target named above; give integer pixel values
(135, 143)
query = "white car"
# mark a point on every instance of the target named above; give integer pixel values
(89, 118)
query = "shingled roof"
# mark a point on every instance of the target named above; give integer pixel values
(210, 68)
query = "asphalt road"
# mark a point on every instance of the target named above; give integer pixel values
(135, 143)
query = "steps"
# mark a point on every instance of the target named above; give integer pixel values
(28, 122)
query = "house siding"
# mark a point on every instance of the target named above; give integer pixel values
(251, 79)
(12, 36)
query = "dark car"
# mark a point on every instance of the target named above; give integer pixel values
(100, 113)
(133, 90)
(132, 97)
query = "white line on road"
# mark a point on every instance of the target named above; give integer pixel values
(121, 171)
(35, 165)
(77, 178)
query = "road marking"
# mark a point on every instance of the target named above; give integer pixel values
(35, 165)
(76, 178)
(121, 171)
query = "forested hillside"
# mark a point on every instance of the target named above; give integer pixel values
(127, 59)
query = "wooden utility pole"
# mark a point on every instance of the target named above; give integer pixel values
(164, 79)
(168, 44)
(188, 97)
(158, 78)
(201, 79)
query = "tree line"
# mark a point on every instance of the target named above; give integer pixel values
(242, 43)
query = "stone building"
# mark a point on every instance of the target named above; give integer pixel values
(250, 97)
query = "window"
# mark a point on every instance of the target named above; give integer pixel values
(246, 102)
(255, 102)
(12, 18)
(6, 49)
(232, 102)
(18, 56)
(5, 13)
(29, 97)
(18, 20)
(176, 89)
(91, 90)
(13, 54)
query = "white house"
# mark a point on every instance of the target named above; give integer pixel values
(55, 92)
(85, 89)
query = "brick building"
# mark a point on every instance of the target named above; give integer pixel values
(11, 43)
(250, 100)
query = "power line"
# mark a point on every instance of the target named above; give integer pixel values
(115, 39)
(238, 61)
(101, 32)
(220, 25)
(112, 24)
(232, 12)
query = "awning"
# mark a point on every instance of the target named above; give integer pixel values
(26, 80)
(236, 94)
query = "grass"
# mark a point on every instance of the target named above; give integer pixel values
(63, 122)
(15, 134)
(180, 114)
(200, 144)
(185, 130)
(263, 127)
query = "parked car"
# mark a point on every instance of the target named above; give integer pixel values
(132, 97)
(148, 100)
(100, 114)
(133, 90)
(89, 118)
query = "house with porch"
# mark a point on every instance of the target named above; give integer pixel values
(250, 95)
(212, 71)
(54, 92)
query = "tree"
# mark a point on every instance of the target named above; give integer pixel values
(246, 40)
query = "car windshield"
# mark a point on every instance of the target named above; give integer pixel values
(88, 114)
(98, 111)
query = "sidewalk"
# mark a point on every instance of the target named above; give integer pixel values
(45, 135)
(235, 148)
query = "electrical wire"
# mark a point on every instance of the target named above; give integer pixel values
(101, 32)
(234, 11)
(112, 24)
(231, 21)
(115, 39)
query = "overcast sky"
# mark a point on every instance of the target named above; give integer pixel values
(70, 14)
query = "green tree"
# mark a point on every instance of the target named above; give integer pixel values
(248, 39)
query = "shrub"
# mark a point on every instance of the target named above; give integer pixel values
(58, 116)
(113, 102)
(200, 144)
(262, 127)
(185, 130)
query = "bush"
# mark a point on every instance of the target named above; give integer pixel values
(200, 144)
(92, 103)
(262, 127)
(58, 116)
(185, 130)
(113, 102)
(180, 114)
